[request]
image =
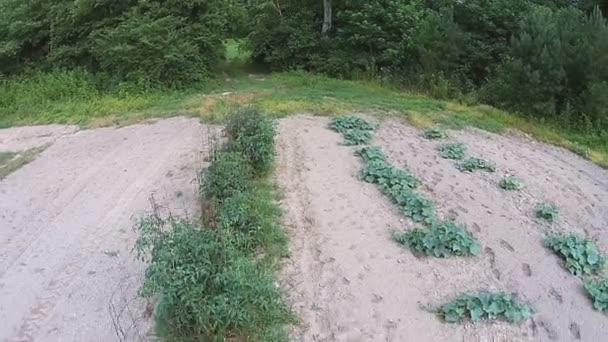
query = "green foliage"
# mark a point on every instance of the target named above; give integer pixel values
(173, 43)
(547, 211)
(206, 287)
(371, 153)
(414, 205)
(472, 164)
(485, 306)
(388, 178)
(453, 150)
(435, 133)
(252, 133)
(442, 240)
(580, 254)
(229, 174)
(511, 183)
(598, 292)
(356, 131)
(343, 124)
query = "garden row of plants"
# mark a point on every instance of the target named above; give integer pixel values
(580, 254)
(215, 279)
(447, 238)
(439, 238)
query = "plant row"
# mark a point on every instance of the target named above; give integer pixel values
(215, 279)
(580, 255)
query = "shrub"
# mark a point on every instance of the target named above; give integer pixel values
(485, 306)
(453, 150)
(581, 255)
(229, 174)
(252, 134)
(442, 240)
(547, 211)
(473, 164)
(598, 292)
(435, 133)
(511, 183)
(206, 289)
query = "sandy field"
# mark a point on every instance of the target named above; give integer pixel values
(66, 225)
(349, 281)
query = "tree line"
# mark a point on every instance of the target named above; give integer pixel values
(545, 58)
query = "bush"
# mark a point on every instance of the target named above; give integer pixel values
(580, 254)
(251, 133)
(206, 288)
(485, 306)
(442, 240)
(229, 174)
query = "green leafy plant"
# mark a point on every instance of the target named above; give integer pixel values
(511, 183)
(580, 254)
(357, 137)
(228, 174)
(435, 133)
(547, 211)
(251, 133)
(414, 205)
(442, 240)
(371, 153)
(455, 151)
(598, 292)
(205, 286)
(388, 178)
(472, 164)
(485, 306)
(342, 124)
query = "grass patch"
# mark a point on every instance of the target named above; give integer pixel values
(216, 281)
(11, 161)
(485, 306)
(581, 255)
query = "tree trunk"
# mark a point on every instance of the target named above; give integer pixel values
(327, 16)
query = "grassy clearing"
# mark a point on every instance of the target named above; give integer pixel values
(12, 161)
(72, 98)
(216, 281)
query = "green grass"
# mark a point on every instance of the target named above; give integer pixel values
(71, 98)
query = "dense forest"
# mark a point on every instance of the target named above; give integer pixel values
(544, 58)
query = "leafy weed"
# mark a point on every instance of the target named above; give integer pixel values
(580, 254)
(455, 151)
(252, 133)
(473, 164)
(547, 211)
(485, 306)
(511, 183)
(598, 292)
(442, 240)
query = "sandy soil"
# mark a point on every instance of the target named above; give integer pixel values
(66, 268)
(349, 282)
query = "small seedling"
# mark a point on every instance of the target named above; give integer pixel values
(473, 164)
(485, 306)
(435, 133)
(442, 240)
(511, 183)
(598, 292)
(455, 151)
(580, 254)
(547, 211)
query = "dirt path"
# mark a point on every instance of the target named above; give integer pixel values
(349, 282)
(66, 268)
